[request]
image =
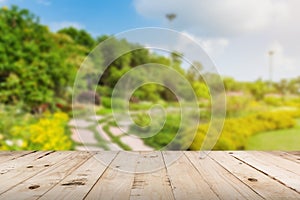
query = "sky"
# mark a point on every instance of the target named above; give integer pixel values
(236, 34)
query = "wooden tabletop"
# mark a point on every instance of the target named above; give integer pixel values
(149, 175)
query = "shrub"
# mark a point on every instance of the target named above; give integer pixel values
(164, 136)
(142, 119)
(273, 101)
(236, 131)
(203, 103)
(50, 132)
(236, 104)
(7, 113)
(106, 102)
(104, 91)
(293, 102)
(104, 111)
(144, 105)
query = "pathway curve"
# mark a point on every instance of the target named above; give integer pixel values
(83, 133)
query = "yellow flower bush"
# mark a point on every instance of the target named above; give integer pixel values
(49, 133)
(237, 130)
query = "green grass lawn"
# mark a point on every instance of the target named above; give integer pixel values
(288, 139)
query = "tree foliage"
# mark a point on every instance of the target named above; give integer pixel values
(35, 64)
(81, 37)
(38, 66)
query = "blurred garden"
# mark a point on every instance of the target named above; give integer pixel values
(37, 72)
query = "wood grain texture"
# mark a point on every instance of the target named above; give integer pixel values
(282, 170)
(264, 185)
(186, 182)
(149, 175)
(24, 172)
(39, 184)
(117, 180)
(77, 184)
(11, 155)
(151, 180)
(286, 155)
(222, 182)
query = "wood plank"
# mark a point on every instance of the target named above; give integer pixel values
(274, 167)
(36, 186)
(186, 181)
(79, 182)
(296, 153)
(117, 181)
(264, 185)
(286, 155)
(21, 161)
(10, 155)
(80, 175)
(151, 180)
(223, 183)
(21, 173)
(276, 161)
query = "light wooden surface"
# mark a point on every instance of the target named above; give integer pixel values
(83, 175)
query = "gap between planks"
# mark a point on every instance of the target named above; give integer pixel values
(282, 170)
(241, 175)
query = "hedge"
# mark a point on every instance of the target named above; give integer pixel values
(237, 130)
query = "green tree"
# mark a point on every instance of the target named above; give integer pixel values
(176, 61)
(201, 90)
(282, 86)
(81, 37)
(231, 84)
(35, 64)
(258, 89)
(294, 86)
(193, 73)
